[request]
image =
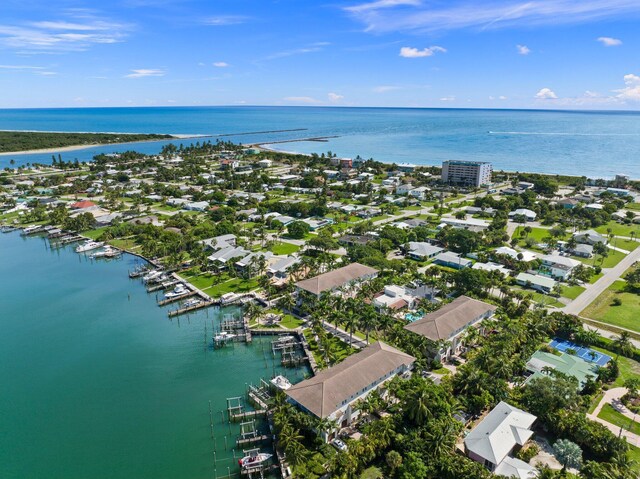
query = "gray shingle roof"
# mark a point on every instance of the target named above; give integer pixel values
(336, 278)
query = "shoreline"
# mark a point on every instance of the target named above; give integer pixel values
(64, 149)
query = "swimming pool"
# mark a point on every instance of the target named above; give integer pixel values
(414, 316)
(587, 354)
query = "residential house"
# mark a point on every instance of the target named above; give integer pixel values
(490, 266)
(544, 284)
(589, 237)
(404, 188)
(558, 267)
(421, 251)
(472, 224)
(353, 273)
(527, 256)
(248, 265)
(503, 430)
(394, 297)
(81, 205)
(332, 392)
(265, 163)
(219, 242)
(197, 206)
(452, 260)
(419, 193)
(351, 240)
(279, 269)
(528, 215)
(564, 363)
(448, 324)
(222, 256)
(583, 250)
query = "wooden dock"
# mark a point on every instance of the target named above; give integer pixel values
(239, 416)
(252, 440)
(177, 298)
(188, 309)
(159, 286)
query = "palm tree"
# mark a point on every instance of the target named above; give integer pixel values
(418, 406)
(350, 322)
(368, 321)
(623, 344)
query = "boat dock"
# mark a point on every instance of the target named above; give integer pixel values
(237, 327)
(159, 286)
(164, 302)
(188, 309)
(236, 411)
(65, 240)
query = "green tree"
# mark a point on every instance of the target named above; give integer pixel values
(568, 453)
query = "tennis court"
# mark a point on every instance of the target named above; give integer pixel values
(587, 354)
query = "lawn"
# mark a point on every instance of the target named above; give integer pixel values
(284, 249)
(572, 292)
(609, 414)
(340, 349)
(93, 234)
(223, 283)
(633, 206)
(540, 298)
(127, 244)
(625, 316)
(594, 402)
(627, 244)
(618, 229)
(613, 258)
(291, 322)
(628, 367)
(537, 234)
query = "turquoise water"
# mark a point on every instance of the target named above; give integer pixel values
(97, 382)
(595, 144)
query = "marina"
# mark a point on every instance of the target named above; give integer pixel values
(136, 385)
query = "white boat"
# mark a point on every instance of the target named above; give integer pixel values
(228, 297)
(247, 462)
(177, 291)
(88, 246)
(223, 336)
(281, 382)
(151, 275)
(190, 302)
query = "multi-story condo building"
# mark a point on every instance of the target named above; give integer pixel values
(466, 173)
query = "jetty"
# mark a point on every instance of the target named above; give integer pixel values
(233, 329)
(65, 240)
(236, 410)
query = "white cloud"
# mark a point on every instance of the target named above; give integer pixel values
(379, 4)
(404, 16)
(36, 70)
(316, 47)
(523, 49)
(78, 33)
(384, 88)
(224, 20)
(335, 97)
(143, 72)
(301, 99)
(448, 98)
(220, 64)
(609, 42)
(410, 52)
(546, 94)
(632, 89)
(501, 97)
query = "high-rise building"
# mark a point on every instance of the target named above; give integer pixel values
(466, 173)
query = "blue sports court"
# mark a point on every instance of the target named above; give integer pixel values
(587, 354)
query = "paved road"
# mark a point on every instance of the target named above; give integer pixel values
(612, 396)
(344, 336)
(594, 290)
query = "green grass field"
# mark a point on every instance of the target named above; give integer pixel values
(609, 414)
(93, 234)
(284, 249)
(537, 234)
(612, 259)
(572, 292)
(540, 298)
(618, 229)
(628, 367)
(627, 315)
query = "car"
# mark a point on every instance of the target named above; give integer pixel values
(339, 444)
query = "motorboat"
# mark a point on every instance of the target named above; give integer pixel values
(190, 302)
(179, 290)
(88, 246)
(247, 462)
(281, 382)
(151, 275)
(223, 336)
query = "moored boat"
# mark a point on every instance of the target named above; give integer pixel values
(88, 246)
(247, 462)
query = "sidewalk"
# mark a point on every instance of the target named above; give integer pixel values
(612, 396)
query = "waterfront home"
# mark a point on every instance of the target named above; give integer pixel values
(544, 284)
(350, 275)
(505, 429)
(589, 237)
(564, 363)
(446, 326)
(452, 260)
(558, 267)
(421, 251)
(528, 215)
(331, 393)
(279, 269)
(249, 265)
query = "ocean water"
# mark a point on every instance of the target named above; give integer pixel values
(98, 383)
(595, 144)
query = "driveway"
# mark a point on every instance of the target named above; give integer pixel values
(612, 396)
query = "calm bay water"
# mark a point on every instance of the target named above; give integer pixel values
(98, 383)
(595, 144)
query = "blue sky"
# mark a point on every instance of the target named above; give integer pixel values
(413, 53)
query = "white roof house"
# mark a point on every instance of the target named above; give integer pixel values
(419, 250)
(589, 237)
(558, 266)
(528, 214)
(497, 435)
(526, 255)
